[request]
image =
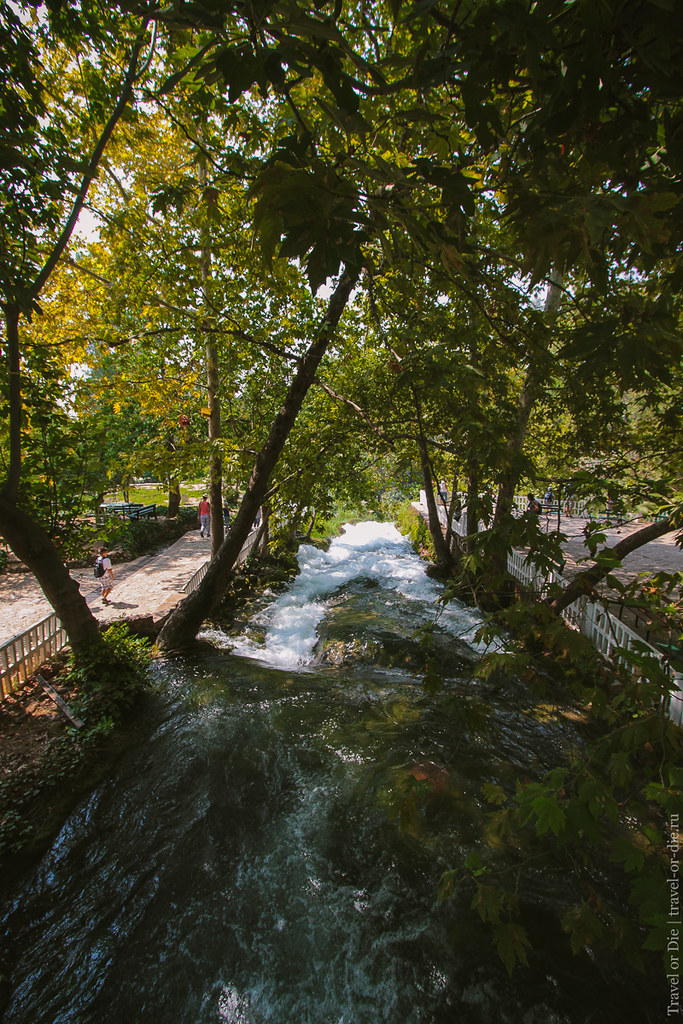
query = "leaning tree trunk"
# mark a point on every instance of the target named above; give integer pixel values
(585, 582)
(29, 541)
(185, 621)
(31, 544)
(441, 549)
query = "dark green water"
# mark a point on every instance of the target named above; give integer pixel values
(245, 863)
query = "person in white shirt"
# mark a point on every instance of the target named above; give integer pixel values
(107, 578)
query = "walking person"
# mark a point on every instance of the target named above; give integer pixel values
(204, 517)
(106, 575)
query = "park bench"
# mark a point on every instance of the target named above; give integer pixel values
(127, 510)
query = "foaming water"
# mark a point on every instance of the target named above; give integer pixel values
(262, 856)
(369, 551)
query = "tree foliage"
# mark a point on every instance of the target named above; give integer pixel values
(436, 238)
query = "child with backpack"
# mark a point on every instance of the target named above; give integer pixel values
(105, 574)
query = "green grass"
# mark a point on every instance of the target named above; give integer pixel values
(157, 494)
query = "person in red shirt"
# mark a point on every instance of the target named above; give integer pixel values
(204, 517)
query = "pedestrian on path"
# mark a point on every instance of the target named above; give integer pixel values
(107, 577)
(204, 517)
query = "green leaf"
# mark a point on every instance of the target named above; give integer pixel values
(625, 852)
(583, 927)
(493, 793)
(512, 943)
(549, 815)
(447, 885)
(489, 902)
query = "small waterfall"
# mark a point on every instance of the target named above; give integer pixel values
(373, 552)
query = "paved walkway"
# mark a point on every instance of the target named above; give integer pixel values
(151, 585)
(661, 555)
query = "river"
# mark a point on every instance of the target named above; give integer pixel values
(257, 858)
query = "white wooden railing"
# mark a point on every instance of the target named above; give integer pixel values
(199, 575)
(26, 652)
(606, 632)
(550, 509)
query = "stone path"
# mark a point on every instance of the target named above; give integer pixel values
(151, 585)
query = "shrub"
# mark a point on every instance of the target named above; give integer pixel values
(412, 525)
(111, 675)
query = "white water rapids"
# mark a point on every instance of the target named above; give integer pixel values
(368, 550)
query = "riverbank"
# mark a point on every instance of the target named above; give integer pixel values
(46, 764)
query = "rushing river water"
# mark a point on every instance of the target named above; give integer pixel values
(245, 862)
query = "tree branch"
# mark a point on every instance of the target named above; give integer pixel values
(585, 582)
(63, 240)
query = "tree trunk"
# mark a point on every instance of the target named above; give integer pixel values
(264, 543)
(441, 549)
(526, 402)
(450, 512)
(173, 497)
(585, 582)
(31, 544)
(212, 372)
(472, 503)
(11, 487)
(186, 619)
(215, 458)
(261, 543)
